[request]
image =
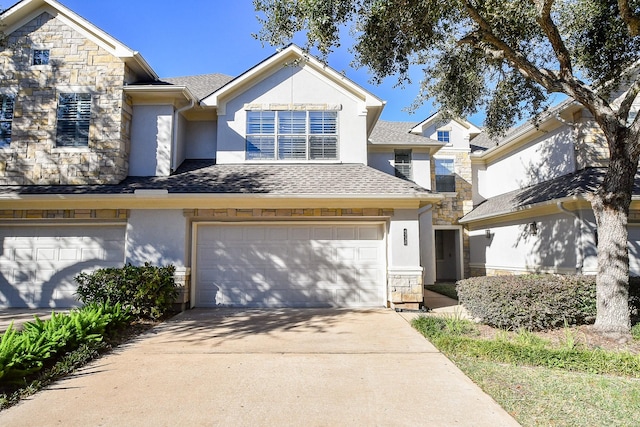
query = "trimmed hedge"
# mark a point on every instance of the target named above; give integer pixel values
(147, 291)
(531, 302)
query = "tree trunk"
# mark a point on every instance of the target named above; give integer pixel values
(611, 209)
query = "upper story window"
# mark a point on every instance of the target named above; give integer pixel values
(444, 136)
(402, 162)
(6, 119)
(40, 57)
(74, 117)
(445, 175)
(292, 135)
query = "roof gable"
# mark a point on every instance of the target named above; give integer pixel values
(435, 117)
(24, 11)
(295, 55)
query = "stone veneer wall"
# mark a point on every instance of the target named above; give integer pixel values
(65, 214)
(452, 208)
(76, 65)
(285, 213)
(591, 149)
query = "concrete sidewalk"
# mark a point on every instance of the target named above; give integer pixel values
(292, 367)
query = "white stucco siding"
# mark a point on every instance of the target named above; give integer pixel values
(634, 249)
(181, 142)
(427, 245)
(545, 158)
(294, 86)
(151, 136)
(384, 160)
(201, 140)
(458, 134)
(156, 236)
(404, 253)
(512, 246)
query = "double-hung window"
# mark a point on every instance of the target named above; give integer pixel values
(74, 118)
(292, 135)
(6, 119)
(445, 175)
(402, 162)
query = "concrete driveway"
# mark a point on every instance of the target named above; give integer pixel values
(311, 367)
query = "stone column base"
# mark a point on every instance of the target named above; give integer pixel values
(182, 277)
(405, 288)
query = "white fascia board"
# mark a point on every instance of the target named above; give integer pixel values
(146, 199)
(157, 91)
(501, 214)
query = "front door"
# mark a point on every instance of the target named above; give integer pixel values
(447, 244)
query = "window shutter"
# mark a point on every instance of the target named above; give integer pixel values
(74, 119)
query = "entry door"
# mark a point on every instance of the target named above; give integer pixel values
(447, 255)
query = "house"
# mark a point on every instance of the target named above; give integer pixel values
(531, 191)
(277, 187)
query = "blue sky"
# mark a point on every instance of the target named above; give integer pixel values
(214, 36)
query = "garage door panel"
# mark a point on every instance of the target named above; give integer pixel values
(296, 265)
(40, 262)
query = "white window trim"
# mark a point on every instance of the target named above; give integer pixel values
(72, 148)
(307, 135)
(33, 66)
(445, 193)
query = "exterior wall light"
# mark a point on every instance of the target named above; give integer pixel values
(487, 233)
(533, 229)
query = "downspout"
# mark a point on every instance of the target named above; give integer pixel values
(174, 139)
(580, 260)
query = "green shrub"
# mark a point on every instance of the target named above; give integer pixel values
(531, 302)
(147, 291)
(25, 352)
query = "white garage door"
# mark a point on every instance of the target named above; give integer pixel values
(310, 265)
(38, 263)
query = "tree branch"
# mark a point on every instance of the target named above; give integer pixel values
(517, 59)
(549, 27)
(629, 17)
(627, 101)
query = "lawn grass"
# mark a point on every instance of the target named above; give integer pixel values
(537, 396)
(540, 383)
(446, 289)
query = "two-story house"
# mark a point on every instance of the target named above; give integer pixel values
(277, 187)
(532, 192)
(434, 154)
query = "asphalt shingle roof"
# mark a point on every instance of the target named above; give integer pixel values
(397, 133)
(203, 176)
(579, 184)
(202, 85)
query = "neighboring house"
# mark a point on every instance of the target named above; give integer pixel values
(531, 189)
(273, 188)
(434, 154)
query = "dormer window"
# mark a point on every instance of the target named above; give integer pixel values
(40, 57)
(292, 135)
(444, 136)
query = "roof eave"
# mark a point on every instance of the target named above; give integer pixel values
(161, 199)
